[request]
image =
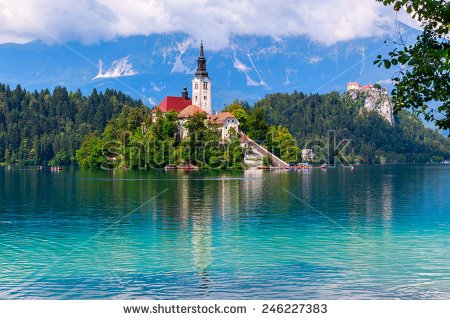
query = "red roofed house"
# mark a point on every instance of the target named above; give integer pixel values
(367, 87)
(176, 104)
(184, 115)
(226, 121)
(201, 102)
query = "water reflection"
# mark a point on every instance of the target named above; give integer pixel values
(226, 235)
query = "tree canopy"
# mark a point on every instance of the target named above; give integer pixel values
(310, 118)
(112, 130)
(423, 79)
(48, 127)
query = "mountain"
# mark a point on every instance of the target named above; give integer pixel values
(152, 67)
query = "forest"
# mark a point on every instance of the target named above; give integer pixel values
(111, 129)
(47, 128)
(310, 118)
(140, 139)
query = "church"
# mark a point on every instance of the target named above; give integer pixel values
(199, 102)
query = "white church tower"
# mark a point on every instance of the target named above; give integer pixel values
(201, 84)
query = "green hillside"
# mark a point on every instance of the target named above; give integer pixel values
(44, 127)
(373, 139)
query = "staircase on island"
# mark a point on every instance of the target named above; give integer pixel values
(258, 149)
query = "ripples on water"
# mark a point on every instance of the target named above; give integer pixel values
(378, 232)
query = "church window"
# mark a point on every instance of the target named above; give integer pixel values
(205, 85)
(196, 85)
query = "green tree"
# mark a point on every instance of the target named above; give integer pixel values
(197, 128)
(43, 127)
(241, 115)
(267, 161)
(256, 125)
(281, 143)
(424, 67)
(90, 154)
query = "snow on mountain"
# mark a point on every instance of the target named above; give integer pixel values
(119, 68)
(151, 67)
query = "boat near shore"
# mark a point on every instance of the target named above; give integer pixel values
(187, 167)
(170, 167)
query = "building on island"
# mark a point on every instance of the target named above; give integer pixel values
(307, 155)
(199, 102)
(176, 104)
(184, 115)
(226, 122)
(201, 84)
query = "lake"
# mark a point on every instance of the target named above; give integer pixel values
(380, 232)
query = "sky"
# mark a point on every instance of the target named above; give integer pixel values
(214, 21)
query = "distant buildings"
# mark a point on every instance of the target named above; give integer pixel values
(307, 155)
(352, 86)
(200, 102)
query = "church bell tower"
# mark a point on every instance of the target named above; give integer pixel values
(201, 84)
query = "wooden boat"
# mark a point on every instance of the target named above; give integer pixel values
(304, 165)
(264, 167)
(187, 167)
(170, 167)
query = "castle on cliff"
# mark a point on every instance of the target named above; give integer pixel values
(376, 99)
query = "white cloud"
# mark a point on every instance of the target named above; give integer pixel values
(119, 68)
(89, 21)
(385, 82)
(314, 60)
(288, 72)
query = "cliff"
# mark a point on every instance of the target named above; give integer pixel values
(376, 99)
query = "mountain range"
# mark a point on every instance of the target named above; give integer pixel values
(151, 67)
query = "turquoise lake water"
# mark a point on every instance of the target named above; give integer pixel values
(377, 232)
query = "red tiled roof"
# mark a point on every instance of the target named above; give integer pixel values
(221, 117)
(174, 103)
(189, 111)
